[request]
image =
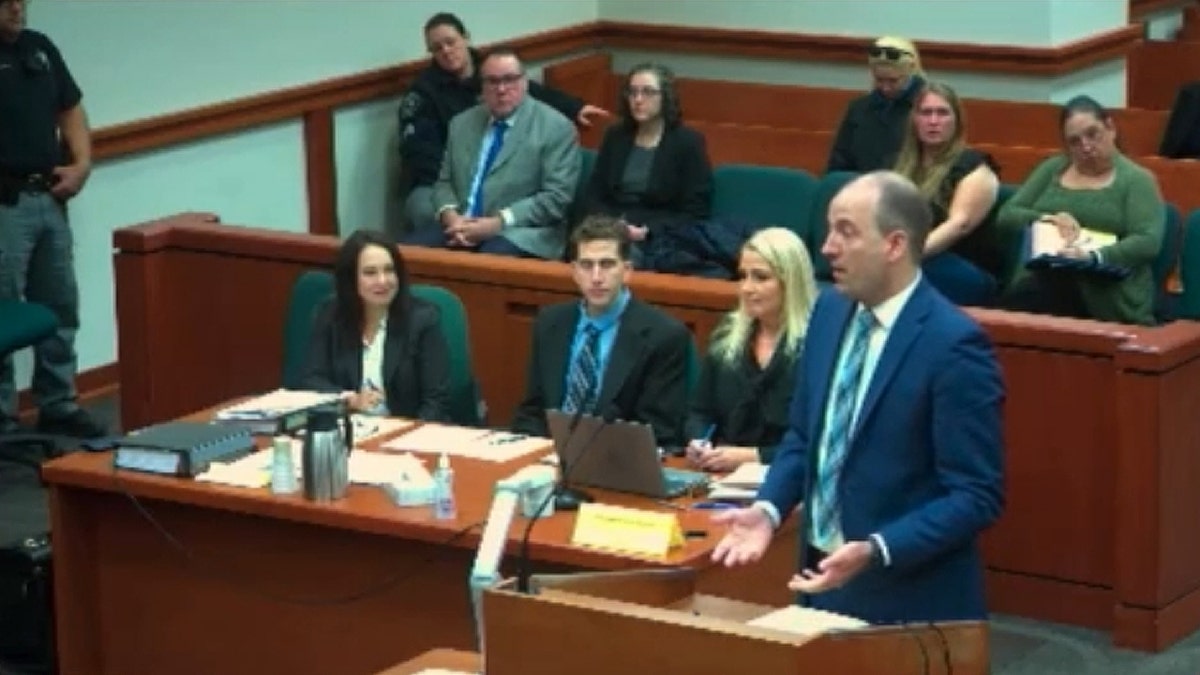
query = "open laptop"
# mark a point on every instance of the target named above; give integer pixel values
(620, 456)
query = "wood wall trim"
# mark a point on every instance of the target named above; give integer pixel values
(189, 125)
(1038, 61)
(1139, 9)
(90, 385)
(320, 172)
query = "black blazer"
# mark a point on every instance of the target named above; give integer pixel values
(872, 130)
(416, 362)
(644, 380)
(679, 187)
(748, 405)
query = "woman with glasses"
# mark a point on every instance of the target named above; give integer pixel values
(963, 256)
(739, 409)
(652, 171)
(873, 126)
(1105, 209)
(448, 86)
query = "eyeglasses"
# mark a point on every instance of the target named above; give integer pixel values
(889, 53)
(496, 81)
(643, 92)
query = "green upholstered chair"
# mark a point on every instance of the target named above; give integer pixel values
(311, 289)
(578, 210)
(466, 407)
(1189, 270)
(763, 196)
(1165, 304)
(22, 325)
(818, 219)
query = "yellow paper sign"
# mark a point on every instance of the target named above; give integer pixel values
(625, 530)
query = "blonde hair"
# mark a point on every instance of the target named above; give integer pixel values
(789, 261)
(910, 58)
(909, 163)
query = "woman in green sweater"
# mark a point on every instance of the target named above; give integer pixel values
(1091, 186)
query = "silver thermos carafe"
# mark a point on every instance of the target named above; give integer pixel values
(328, 439)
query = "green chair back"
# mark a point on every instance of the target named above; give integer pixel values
(24, 324)
(1188, 306)
(312, 288)
(818, 219)
(763, 196)
(464, 390)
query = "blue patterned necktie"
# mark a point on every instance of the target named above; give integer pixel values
(584, 375)
(475, 207)
(827, 516)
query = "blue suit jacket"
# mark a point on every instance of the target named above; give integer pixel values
(925, 464)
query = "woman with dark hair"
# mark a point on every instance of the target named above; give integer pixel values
(1090, 193)
(652, 171)
(963, 256)
(376, 341)
(448, 86)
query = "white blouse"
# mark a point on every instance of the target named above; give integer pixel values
(372, 366)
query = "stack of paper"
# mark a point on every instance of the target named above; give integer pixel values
(743, 483)
(806, 621)
(367, 427)
(262, 414)
(485, 444)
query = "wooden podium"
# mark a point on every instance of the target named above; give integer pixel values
(655, 622)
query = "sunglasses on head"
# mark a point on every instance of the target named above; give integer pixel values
(889, 53)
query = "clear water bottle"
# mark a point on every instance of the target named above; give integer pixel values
(444, 506)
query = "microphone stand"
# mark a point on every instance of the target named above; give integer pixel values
(523, 571)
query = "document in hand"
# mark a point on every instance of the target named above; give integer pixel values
(1046, 240)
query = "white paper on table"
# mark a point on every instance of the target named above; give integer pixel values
(746, 476)
(378, 468)
(367, 427)
(485, 444)
(237, 475)
(276, 403)
(806, 621)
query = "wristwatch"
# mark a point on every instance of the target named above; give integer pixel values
(876, 552)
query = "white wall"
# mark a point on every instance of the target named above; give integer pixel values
(1027, 22)
(139, 58)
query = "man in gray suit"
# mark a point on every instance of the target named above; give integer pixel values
(509, 173)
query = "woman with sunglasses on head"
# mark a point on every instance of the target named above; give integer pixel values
(873, 126)
(963, 255)
(652, 171)
(1091, 186)
(449, 85)
(739, 410)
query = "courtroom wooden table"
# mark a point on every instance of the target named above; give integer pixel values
(160, 574)
(445, 659)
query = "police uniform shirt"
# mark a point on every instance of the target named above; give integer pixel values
(35, 88)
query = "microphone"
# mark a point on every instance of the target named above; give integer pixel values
(567, 498)
(610, 415)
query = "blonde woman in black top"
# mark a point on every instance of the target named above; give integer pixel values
(740, 407)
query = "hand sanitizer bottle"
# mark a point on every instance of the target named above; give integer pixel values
(444, 507)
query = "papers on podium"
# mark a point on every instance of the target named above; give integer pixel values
(806, 621)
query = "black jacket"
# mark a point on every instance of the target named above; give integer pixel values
(434, 98)
(643, 381)
(680, 184)
(416, 362)
(748, 405)
(871, 131)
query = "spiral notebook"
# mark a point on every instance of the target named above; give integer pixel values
(180, 448)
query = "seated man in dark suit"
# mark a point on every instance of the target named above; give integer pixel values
(608, 354)
(509, 173)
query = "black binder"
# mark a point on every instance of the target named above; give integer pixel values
(181, 448)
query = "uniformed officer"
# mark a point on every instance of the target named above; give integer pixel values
(40, 112)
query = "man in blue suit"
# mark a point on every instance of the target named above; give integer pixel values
(895, 439)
